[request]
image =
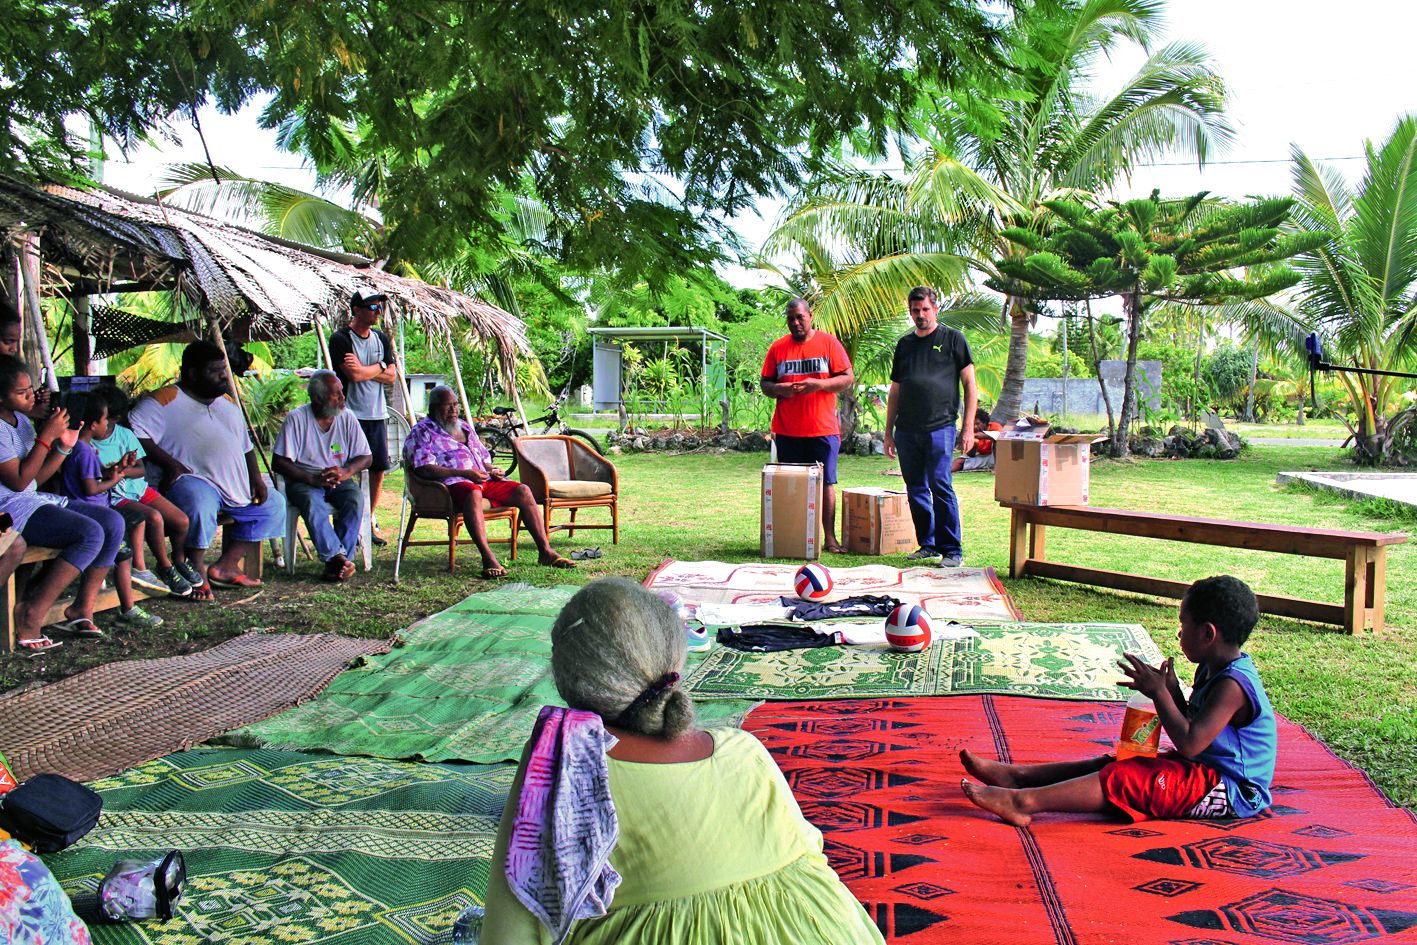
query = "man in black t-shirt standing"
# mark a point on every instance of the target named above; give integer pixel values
(931, 365)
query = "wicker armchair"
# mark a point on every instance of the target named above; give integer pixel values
(562, 472)
(425, 498)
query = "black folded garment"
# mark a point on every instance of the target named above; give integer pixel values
(772, 637)
(865, 605)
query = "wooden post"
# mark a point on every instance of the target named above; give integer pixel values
(83, 337)
(457, 373)
(1377, 586)
(323, 342)
(1355, 590)
(29, 273)
(1018, 529)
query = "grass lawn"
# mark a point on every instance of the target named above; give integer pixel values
(1358, 694)
(1311, 429)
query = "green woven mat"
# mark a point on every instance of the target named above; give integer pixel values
(298, 848)
(466, 686)
(1062, 661)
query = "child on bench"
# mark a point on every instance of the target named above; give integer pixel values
(1225, 735)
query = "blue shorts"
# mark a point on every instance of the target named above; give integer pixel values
(810, 449)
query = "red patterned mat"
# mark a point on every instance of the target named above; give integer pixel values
(1333, 862)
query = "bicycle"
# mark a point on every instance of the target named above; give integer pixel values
(497, 434)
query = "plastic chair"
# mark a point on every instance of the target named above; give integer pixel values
(292, 522)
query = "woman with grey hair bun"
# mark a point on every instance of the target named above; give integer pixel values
(628, 824)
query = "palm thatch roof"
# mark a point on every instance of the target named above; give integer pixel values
(262, 287)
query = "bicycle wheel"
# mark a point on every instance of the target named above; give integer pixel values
(591, 441)
(504, 458)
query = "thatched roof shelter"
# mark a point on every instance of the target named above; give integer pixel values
(254, 286)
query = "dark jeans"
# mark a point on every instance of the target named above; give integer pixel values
(925, 465)
(344, 504)
(86, 534)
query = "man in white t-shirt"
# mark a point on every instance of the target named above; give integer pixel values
(196, 434)
(320, 451)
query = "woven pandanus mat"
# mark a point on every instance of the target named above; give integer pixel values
(113, 717)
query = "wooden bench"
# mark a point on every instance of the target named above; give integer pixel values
(1365, 554)
(107, 598)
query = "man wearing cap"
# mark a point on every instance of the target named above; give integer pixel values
(364, 360)
(803, 371)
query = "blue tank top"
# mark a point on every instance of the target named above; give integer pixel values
(1243, 756)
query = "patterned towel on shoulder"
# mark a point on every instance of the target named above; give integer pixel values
(558, 858)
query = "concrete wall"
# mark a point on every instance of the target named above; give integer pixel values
(1044, 395)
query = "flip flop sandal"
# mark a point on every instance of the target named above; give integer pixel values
(80, 627)
(585, 554)
(562, 563)
(39, 644)
(238, 582)
(492, 574)
(201, 594)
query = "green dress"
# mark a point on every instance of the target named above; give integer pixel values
(711, 852)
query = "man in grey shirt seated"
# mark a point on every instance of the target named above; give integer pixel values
(320, 451)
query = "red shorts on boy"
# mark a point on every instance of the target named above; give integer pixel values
(149, 495)
(497, 491)
(1162, 788)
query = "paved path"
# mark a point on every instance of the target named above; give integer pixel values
(1292, 441)
(1399, 487)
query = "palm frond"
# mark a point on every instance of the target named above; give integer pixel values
(875, 290)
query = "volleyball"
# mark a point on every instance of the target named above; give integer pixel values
(813, 582)
(908, 628)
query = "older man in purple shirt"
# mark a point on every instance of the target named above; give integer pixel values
(442, 447)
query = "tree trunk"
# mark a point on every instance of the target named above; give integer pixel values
(1193, 413)
(1010, 404)
(1097, 369)
(849, 413)
(1131, 305)
(1254, 379)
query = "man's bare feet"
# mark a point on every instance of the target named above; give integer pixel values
(552, 560)
(1001, 802)
(834, 548)
(993, 773)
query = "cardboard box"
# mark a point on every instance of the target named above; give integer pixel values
(876, 522)
(792, 511)
(1052, 470)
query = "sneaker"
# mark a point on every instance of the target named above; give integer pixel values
(138, 619)
(189, 573)
(177, 585)
(923, 554)
(150, 582)
(699, 639)
(951, 561)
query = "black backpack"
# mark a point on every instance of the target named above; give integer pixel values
(50, 812)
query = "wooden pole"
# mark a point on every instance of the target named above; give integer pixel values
(457, 373)
(246, 419)
(83, 337)
(29, 273)
(323, 343)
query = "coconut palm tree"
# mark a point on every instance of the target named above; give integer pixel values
(988, 166)
(1361, 285)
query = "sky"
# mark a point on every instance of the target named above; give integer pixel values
(1323, 75)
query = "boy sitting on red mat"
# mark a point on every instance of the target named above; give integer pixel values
(1225, 734)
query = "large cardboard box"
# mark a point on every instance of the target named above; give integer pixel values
(1041, 468)
(877, 522)
(792, 511)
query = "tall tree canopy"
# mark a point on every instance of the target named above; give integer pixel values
(636, 123)
(986, 163)
(1188, 250)
(1361, 286)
